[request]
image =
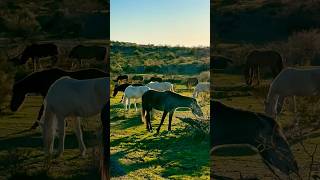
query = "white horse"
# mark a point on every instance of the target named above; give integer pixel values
(69, 97)
(133, 92)
(201, 87)
(161, 86)
(291, 82)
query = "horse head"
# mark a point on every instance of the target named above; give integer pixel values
(195, 108)
(17, 98)
(275, 151)
(115, 90)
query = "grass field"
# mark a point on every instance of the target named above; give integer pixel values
(21, 150)
(231, 162)
(138, 154)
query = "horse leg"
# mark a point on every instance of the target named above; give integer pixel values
(250, 76)
(170, 119)
(61, 134)
(294, 104)
(48, 132)
(79, 135)
(162, 120)
(135, 104)
(125, 103)
(129, 103)
(148, 121)
(258, 75)
(280, 104)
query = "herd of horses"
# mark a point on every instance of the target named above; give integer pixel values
(37, 51)
(230, 126)
(84, 93)
(159, 96)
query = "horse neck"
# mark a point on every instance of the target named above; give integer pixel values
(27, 85)
(181, 101)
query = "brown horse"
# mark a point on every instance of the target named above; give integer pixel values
(191, 82)
(258, 59)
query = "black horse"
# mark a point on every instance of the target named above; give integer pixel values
(258, 59)
(220, 62)
(122, 87)
(121, 78)
(167, 102)
(80, 52)
(105, 174)
(40, 82)
(231, 126)
(137, 78)
(191, 82)
(36, 51)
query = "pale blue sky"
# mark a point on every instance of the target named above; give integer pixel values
(161, 22)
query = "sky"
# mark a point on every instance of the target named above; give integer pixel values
(161, 22)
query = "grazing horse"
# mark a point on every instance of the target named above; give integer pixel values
(104, 116)
(201, 87)
(133, 92)
(40, 82)
(258, 59)
(155, 79)
(231, 127)
(121, 78)
(81, 52)
(291, 82)
(220, 62)
(36, 51)
(137, 78)
(122, 87)
(167, 102)
(191, 82)
(161, 86)
(69, 97)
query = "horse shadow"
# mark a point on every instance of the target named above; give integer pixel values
(34, 140)
(177, 152)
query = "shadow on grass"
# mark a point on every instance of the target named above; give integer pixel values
(34, 140)
(234, 151)
(176, 152)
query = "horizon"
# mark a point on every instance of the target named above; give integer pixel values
(159, 23)
(172, 46)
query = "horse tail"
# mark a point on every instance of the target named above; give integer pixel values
(143, 114)
(48, 122)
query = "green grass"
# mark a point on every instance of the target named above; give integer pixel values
(179, 154)
(231, 161)
(21, 150)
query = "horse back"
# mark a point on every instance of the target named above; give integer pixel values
(40, 50)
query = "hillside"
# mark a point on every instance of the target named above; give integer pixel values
(54, 18)
(134, 58)
(260, 21)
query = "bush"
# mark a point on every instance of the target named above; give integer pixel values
(6, 79)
